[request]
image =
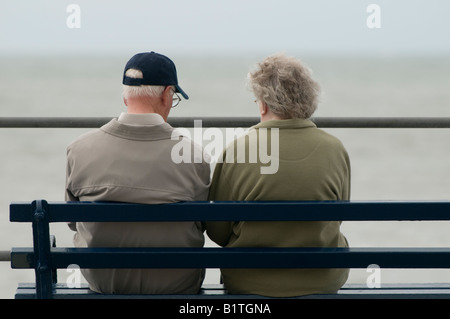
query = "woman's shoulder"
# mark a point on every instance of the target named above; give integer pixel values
(327, 137)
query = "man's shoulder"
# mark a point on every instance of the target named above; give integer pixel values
(91, 136)
(84, 138)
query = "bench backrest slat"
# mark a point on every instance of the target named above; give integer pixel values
(221, 211)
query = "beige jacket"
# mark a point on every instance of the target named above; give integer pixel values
(313, 165)
(129, 160)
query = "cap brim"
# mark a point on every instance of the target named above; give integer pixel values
(179, 90)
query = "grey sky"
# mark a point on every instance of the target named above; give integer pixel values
(225, 26)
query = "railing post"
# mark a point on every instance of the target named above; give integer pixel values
(41, 244)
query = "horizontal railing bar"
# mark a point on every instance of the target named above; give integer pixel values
(233, 211)
(5, 255)
(53, 122)
(383, 122)
(222, 122)
(240, 257)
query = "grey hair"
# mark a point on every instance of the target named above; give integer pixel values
(142, 90)
(286, 86)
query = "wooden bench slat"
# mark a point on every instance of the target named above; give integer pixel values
(232, 211)
(349, 291)
(238, 257)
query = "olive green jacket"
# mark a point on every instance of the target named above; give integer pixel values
(312, 165)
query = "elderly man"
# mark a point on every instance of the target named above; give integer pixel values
(129, 160)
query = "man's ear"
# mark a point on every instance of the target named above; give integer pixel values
(167, 94)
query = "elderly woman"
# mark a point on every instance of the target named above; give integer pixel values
(313, 166)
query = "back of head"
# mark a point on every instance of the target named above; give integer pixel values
(148, 74)
(286, 86)
(141, 91)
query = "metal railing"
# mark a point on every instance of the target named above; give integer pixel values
(221, 122)
(5, 255)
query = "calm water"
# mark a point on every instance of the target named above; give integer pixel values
(387, 164)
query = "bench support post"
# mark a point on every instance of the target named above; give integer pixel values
(41, 239)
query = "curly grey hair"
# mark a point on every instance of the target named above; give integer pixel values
(286, 86)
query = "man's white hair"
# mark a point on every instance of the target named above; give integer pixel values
(130, 91)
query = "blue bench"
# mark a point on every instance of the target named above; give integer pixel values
(44, 257)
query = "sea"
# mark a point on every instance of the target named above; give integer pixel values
(387, 164)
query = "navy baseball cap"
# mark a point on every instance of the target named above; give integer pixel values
(156, 68)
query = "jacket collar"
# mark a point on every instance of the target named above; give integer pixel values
(134, 131)
(141, 119)
(286, 124)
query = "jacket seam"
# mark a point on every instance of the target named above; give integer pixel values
(123, 186)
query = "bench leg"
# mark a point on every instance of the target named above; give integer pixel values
(41, 243)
